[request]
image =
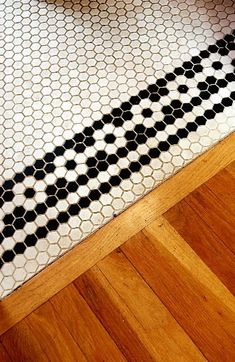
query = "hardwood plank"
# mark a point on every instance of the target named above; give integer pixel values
(170, 340)
(53, 336)
(177, 246)
(222, 185)
(210, 209)
(54, 278)
(4, 356)
(231, 168)
(204, 242)
(21, 344)
(192, 293)
(87, 331)
(129, 335)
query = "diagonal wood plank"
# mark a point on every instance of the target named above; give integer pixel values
(4, 356)
(218, 218)
(165, 234)
(53, 336)
(122, 325)
(87, 331)
(191, 292)
(22, 345)
(231, 168)
(170, 340)
(222, 185)
(203, 241)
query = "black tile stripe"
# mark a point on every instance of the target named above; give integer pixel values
(79, 142)
(101, 161)
(105, 187)
(135, 137)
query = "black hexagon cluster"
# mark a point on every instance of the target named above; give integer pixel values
(102, 160)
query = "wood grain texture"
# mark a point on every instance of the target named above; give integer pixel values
(231, 168)
(4, 356)
(54, 278)
(52, 335)
(87, 331)
(168, 339)
(113, 313)
(190, 291)
(203, 241)
(22, 345)
(220, 219)
(222, 185)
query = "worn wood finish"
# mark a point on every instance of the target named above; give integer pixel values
(112, 311)
(168, 339)
(53, 336)
(62, 272)
(191, 292)
(87, 331)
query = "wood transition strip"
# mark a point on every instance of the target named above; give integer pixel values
(66, 269)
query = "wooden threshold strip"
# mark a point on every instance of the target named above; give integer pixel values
(81, 258)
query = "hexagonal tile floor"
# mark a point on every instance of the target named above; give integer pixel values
(100, 102)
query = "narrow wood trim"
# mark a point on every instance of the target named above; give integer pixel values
(63, 271)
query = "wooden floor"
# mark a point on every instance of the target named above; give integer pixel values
(164, 295)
